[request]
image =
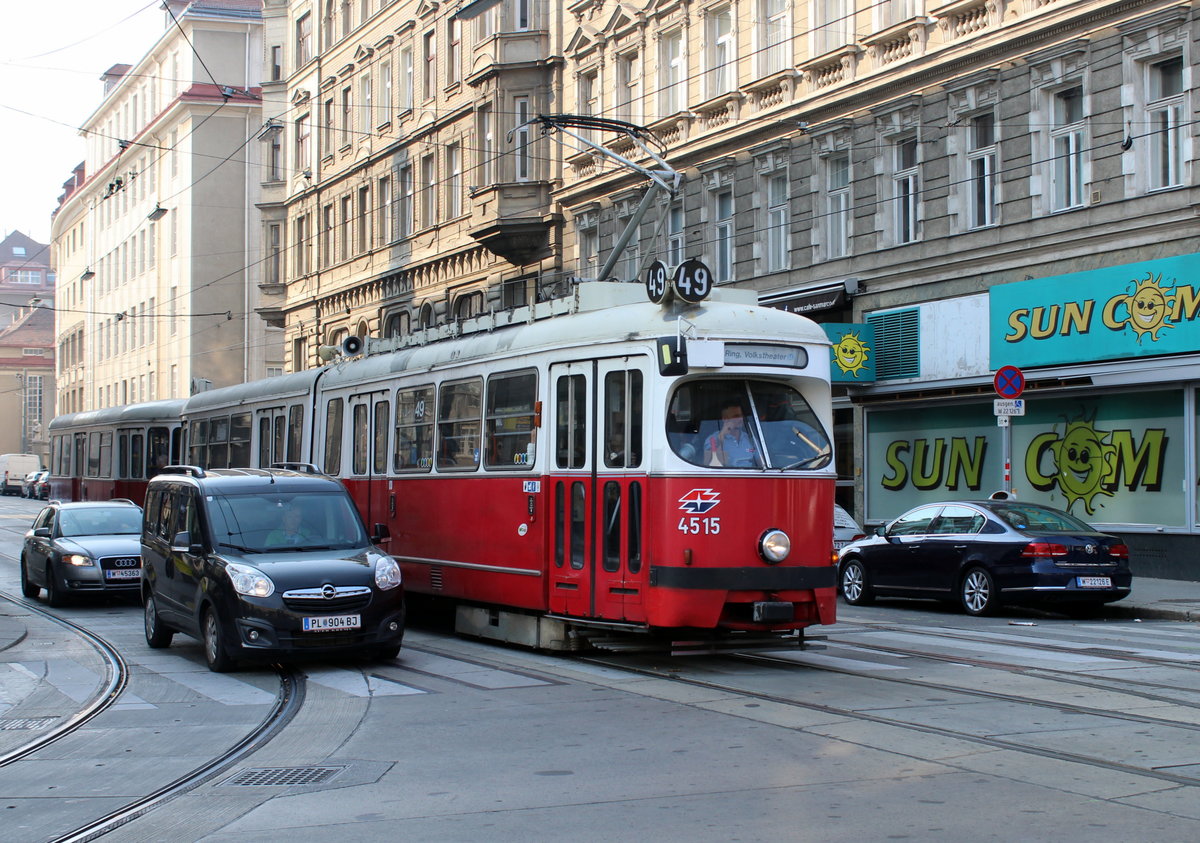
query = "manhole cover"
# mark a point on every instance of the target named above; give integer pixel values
(283, 776)
(31, 724)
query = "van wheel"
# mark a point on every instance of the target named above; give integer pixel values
(28, 588)
(387, 652)
(54, 594)
(215, 651)
(158, 635)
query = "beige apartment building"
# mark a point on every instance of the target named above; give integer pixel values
(156, 241)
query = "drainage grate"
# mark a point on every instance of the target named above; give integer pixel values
(283, 776)
(29, 724)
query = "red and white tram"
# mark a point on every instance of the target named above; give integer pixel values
(111, 453)
(621, 466)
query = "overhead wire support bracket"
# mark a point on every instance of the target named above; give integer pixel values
(665, 179)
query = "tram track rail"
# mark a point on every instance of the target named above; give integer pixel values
(289, 699)
(1161, 773)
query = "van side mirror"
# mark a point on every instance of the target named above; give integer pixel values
(380, 534)
(182, 543)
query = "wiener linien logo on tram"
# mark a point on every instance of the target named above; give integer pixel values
(699, 501)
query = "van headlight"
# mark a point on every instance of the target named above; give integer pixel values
(387, 573)
(774, 546)
(249, 581)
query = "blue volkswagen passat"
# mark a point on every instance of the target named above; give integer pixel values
(981, 554)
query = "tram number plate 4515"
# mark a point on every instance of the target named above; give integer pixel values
(332, 623)
(696, 526)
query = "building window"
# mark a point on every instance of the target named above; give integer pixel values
(274, 254)
(588, 99)
(905, 189)
(344, 236)
(385, 92)
(347, 114)
(327, 127)
(406, 201)
(1066, 138)
(1164, 109)
(429, 203)
(24, 276)
(722, 51)
(837, 205)
(364, 219)
(407, 83)
(629, 87)
(487, 146)
(453, 51)
(521, 141)
(777, 222)
(776, 36)
(723, 235)
(981, 161)
(589, 249)
(429, 57)
(276, 63)
(524, 15)
(303, 132)
(834, 25)
(303, 39)
(386, 231)
(327, 235)
(275, 156)
(671, 74)
(366, 103)
(675, 235)
(454, 181)
(300, 258)
(893, 12)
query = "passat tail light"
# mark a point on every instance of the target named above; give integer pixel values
(1043, 550)
(1119, 551)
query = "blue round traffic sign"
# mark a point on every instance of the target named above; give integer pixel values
(1009, 382)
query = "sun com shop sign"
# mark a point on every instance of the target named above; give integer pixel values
(1134, 310)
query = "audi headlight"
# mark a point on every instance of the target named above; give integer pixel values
(249, 581)
(387, 573)
(774, 546)
(78, 560)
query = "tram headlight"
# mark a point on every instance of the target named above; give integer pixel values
(387, 573)
(249, 581)
(774, 546)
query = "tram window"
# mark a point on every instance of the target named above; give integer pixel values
(578, 519)
(264, 442)
(78, 464)
(106, 447)
(137, 468)
(333, 437)
(570, 422)
(122, 454)
(623, 419)
(510, 409)
(197, 441)
(218, 442)
(159, 451)
(359, 439)
(380, 453)
(239, 440)
(295, 433)
(414, 429)
(93, 454)
(612, 526)
(634, 504)
(560, 524)
(458, 425)
(744, 423)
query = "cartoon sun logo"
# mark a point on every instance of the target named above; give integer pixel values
(1082, 459)
(851, 354)
(1150, 307)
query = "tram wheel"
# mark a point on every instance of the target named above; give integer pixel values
(856, 587)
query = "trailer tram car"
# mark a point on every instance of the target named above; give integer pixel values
(561, 479)
(97, 455)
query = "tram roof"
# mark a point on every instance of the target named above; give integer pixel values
(165, 410)
(605, 313)
(282, 387)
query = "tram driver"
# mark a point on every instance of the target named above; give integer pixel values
(732, 445)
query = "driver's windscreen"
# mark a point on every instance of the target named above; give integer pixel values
(285, 522)
(745, 423)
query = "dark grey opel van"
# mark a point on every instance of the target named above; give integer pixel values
(265, 563)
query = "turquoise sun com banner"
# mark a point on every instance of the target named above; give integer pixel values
(852, 357)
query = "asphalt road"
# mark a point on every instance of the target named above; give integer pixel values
(911, 722)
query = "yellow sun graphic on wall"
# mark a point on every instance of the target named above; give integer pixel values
(1082, 460)
(851, 354)
(1150, 307)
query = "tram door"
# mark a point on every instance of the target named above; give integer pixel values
(370, 426)
(596, 488)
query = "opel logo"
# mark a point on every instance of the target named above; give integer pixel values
(328, 592)
(1090, 549)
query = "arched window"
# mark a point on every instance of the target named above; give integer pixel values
(427, 315)
(468, 306)
(362, 330)
(396, 325)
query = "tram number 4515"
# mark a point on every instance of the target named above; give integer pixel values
(695, 525)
